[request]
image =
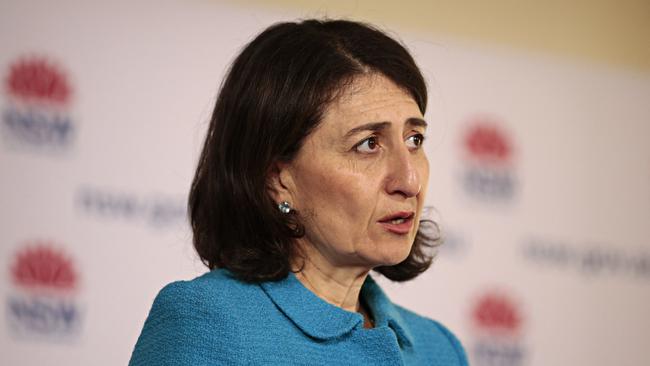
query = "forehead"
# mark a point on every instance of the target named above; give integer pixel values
(370, 98)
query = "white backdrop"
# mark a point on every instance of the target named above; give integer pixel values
(540, 177)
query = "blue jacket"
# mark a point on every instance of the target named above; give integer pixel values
(216, 319)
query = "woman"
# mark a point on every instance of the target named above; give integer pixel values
(312, 174)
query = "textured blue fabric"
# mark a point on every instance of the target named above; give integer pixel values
(216, 319)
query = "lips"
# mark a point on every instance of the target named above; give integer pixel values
(398, 222)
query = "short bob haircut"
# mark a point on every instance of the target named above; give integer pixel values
(275, 94)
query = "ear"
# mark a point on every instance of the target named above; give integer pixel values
(280, 184)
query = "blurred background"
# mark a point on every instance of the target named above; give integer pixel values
(539, 118)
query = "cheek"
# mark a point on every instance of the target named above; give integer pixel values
(337, 200)
(331, 187)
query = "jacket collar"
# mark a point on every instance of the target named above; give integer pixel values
(322, 320)
(384, 312)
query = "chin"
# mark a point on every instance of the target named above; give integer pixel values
(391, 255)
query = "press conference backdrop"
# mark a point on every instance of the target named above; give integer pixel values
(540, 179)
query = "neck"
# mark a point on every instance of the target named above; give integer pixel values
(338, 286)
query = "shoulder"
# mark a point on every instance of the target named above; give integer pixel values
(189, 319)
(211, 294)
(435, 335)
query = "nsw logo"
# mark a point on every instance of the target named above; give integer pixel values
(497, 331)
(36, 111)
(44, 286)
(488, 161)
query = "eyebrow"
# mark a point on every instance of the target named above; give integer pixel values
(419, 122)
(378, 126)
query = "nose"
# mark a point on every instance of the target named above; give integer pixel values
(403, 178)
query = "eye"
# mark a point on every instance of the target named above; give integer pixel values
(368, 145)
(415, 141)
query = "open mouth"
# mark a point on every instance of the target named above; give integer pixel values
(398, 222)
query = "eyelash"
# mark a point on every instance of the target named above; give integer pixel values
(374, 138)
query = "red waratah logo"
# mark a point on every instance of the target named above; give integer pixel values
(39, 266)
(37, 79)
(488, 173)
(497, 313)
(486, 142)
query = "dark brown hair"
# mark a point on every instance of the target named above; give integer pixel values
(274, 95)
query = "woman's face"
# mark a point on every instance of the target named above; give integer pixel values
(359, 181)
